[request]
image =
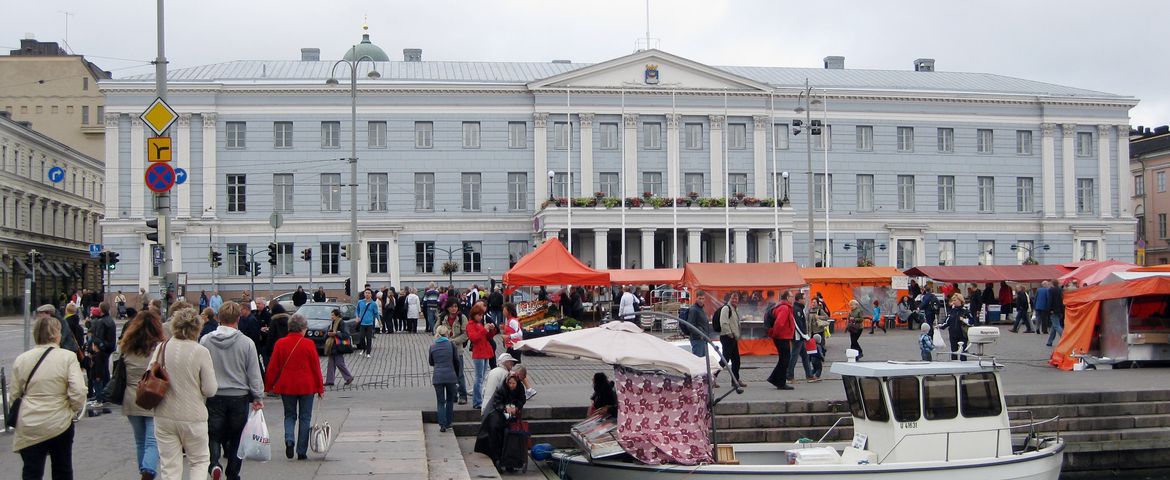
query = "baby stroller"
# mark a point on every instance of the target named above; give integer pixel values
(517, 442)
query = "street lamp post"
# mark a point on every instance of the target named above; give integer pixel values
(806, 94)
(354, 251)
(450, 256)
(1030, 249)
(551, 174)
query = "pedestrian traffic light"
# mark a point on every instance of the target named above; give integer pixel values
(152, 234)
(816, 127)
(345, 251)
(796, 127)
(307, 254)
(347, 287)
(272, 254)
(215, 258)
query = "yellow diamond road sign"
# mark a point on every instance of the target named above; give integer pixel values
(159, 116)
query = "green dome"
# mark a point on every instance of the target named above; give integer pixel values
(365, 48)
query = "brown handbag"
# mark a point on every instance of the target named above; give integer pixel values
(155, 382)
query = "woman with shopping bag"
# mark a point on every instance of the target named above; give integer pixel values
(295, 374)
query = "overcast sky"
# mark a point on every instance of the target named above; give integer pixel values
(1115, 47)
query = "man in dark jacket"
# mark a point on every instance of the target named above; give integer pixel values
(1021, 307)
(782, 331)
(299, 297)
(495, 304)
(104, 335)
(701, 334)
(800, 317)
(319, 295)
(1056, 312)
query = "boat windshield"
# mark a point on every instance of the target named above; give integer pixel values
(938, 393)
(904, 398)
(866, 398)
(980, 395)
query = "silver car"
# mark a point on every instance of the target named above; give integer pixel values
(320, 316)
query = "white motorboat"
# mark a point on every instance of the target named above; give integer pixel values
(911, 420)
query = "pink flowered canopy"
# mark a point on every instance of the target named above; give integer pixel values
(663, 418)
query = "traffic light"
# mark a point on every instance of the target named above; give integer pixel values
(816, 127)
(255, 269)
(215, 258)
(35, 257)
(796, 127)
(104, 259)
(347, 287)
(111, 260)
(272, 254)
(307, 254)
(153, 225)
(345, 251)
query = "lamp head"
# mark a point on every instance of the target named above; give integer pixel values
(799, 110)
(815, 102)
(551, 174)
(374, 75)
(331, 82)
(784, 174)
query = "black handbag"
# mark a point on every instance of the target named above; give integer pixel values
(116, 389)
(14, 409)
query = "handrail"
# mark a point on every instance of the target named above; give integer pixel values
(997, 431)
(838, 422)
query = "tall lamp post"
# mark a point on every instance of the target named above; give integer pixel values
(813, 129)
(450, 256)
(354, 252)
(1030, 249)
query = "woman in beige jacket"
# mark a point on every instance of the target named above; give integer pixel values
(139, 338)
(180, 420)
(53, 397)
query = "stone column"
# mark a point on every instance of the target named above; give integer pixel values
(741, 245)
(673, 167)
(137, 168)
(1048, 168)
(630, 155)
(717, 180)
(113, 165)
(182, 154)
(586, 144)
(760, 156)
(1068, 174)
(144, 264)
(540, 159)
(1104, 177)
(786, 246)
(363, 271)
(210, 176)
(694, 242)
(175, 251)
(601, 248)
(392, 259)
(764, 246)
(648, 247)
(1124, 177)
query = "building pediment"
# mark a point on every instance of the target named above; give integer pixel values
(650, 69)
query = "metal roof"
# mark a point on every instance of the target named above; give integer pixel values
(905, 369)
(520, 73)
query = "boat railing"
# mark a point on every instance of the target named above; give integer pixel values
(834, 427)
(999, 431)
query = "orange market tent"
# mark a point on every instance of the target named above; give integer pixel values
(718, 278)
(646, 276)
(989, 273)
(836, 284)
(551, 264)
(1092, 273)
(1082, 310)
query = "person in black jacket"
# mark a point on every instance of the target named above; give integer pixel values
(319, 295)
(507, 405)
(604, 399)
(103, 342)
(957, 318)
(1056, 312)
(1021, 306)
(299, 297)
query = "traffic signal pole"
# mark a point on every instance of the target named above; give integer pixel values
(163, 200)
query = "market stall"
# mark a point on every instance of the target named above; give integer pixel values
(989, 273)
(1094, 272)
(548, 264)
(839, 285)
(760, 284)
(1126, 321)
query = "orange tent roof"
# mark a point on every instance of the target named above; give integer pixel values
(849, 274)
(742, 276)
(1083, 313)
(989, 273)
(646, 276)
(1153, 268)
(1095, 271)
(551, 264)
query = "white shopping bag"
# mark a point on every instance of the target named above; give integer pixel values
(321, 433)
(254, 443)
(939, 344)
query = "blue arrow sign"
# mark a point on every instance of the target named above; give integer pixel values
(56, 174)
(180, 176)
(95, 250)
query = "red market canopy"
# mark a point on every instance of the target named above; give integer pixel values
(742, 276)
(989, 273)
(551, 264)
(851, 275)
(1093, 272)
(646, 276)
(1082, 309)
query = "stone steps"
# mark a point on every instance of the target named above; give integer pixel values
(444, 458)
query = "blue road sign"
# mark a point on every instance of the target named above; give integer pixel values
(160, 177)
(180, 176)
(157, 254)
(56, 174)
(95, 250)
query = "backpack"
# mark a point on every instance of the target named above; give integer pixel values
(769, 317)
(716, 325)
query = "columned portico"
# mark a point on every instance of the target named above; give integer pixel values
(694, 244)
(741, 245)
(648, 247)
(764, 246)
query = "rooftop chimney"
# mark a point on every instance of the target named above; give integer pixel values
(412, 54)
(310, 54)
(924, 65)
(834, 63)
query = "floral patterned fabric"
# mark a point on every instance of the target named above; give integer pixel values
(663, 418)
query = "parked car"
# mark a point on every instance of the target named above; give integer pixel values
(286, 301)
(320, 319)
(668, 294)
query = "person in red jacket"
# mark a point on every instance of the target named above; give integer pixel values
(295, 374)
(481, 349)
(781, 333)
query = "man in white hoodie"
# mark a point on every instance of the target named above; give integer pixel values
(237, 371)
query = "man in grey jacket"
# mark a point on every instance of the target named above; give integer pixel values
(697, 316)
(237, 370)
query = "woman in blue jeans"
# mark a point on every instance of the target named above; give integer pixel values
(444, 357)
(295, 374)
(140, 336)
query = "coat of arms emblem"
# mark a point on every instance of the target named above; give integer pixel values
(651, 75)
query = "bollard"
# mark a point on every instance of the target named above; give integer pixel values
(3, 398)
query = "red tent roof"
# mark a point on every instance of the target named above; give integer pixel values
(646, 276)
(742, 276)
(551, 264)
(1094, 271)
(989, 273)
(849, 274)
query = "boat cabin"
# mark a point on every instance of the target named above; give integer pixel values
(927, 411)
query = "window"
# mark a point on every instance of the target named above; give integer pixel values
(608, 184)
(737, 183)
(85, 83)
(84, 114)
(824, 140)
(424, 191)
(1084, 195)
(1024, 195)
(282, 134)
(560, 135)
(985, 141)
(517, 135)
(652, 136)
(904, 396)
(873, 399)
(652, 182)
(820, 187)
(284, 259)
(907, 254)
(516, 250)
(905, 139)
(736, 136)
(330, 257)
(906, 193)
(237, 134)
(609, 136)
(1160, 178)
(282, 192)
(376, 135)
(471, 191)
(987, 252)
(979, 395)
(1024, 251)
(694, 136)
(986, 194)
(101, 114)
(1089, 250)
(237, 193)
(1023, 142)
(472, 260)
(424, 257)
(470, 134)
(780, 135)
(865, 138)
(946, 252)
(939, 397)
(1084, 144)
(693, 183)
(853, 396)
(561, 185)
(379, 258)
(1141, 226)
(865, 253)
(379, 190)
(424, 134)
(865, 193)
(1161, 225)
(517, 191)
(1139, 185)
(330, 192)
(237, 259)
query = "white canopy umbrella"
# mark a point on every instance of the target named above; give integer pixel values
(621, 343)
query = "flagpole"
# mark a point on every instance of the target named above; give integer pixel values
(624, 193)
(726, 204)
(673, 200)
(775, 183)
(569, 166)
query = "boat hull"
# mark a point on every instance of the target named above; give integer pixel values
(1044, 464)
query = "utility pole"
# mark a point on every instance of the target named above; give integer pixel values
(162, 201)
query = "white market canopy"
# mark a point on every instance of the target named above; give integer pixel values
(621, 343)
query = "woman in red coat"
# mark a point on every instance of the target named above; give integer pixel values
(481, 348)
(295, 374)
